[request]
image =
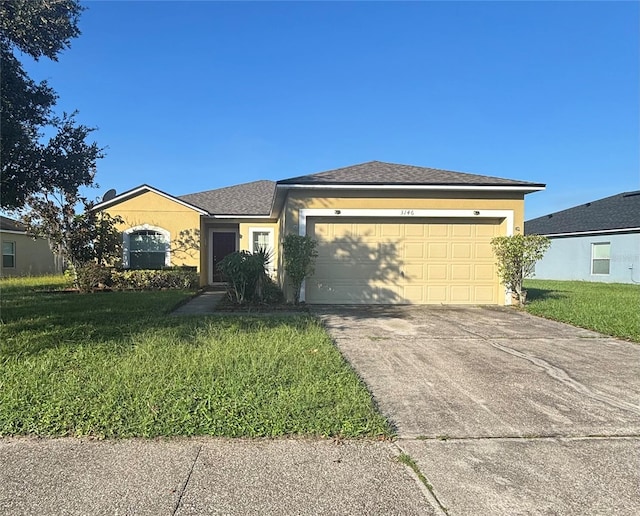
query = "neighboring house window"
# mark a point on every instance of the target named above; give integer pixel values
(262, 238)
(600, 258)
(146, 247)
(8, 255)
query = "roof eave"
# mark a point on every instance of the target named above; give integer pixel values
(239, 216)
(528, 188)
(591, 232)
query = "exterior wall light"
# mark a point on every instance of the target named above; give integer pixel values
(337, 212)
(476, 212)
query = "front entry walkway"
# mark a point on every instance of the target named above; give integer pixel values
(202, 304)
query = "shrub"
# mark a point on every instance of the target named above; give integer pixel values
(271, 293)
(91, 276)
(182, 278)
(299, 259)
(246, 275)
(517, 256)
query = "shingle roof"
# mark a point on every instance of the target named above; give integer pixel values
(380, 173)
(11, 225)
(245, 199)
(619, 211)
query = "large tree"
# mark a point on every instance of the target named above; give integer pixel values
(30, 165)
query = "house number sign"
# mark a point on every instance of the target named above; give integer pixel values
(407, 212)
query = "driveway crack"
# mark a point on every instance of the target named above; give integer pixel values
(186, 482)
(422, 480)
(562, 376)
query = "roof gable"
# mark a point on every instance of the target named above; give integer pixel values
(247, 199)
(140, 190)
(618, 212)
(380, 173)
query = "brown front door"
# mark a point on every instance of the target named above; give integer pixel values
(223, 244)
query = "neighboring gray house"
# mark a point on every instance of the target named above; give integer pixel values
(23, 255)
(596, 241)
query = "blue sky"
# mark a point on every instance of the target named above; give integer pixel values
(191, 96)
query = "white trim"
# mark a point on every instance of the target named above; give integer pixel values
(403, 214)
(265, 217)
(510, 188)
(406, 213)
(210, 246)
(594, 232)
(126, 243)
(12, 232)
(593, 258)
(139, 189)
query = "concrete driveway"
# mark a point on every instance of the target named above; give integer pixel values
(504, 413)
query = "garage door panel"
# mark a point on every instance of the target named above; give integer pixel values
(461, 230)
(446, 261)
(414, 231)
(366, 230)
(415, 293)
(460, 251)
(483, 250)
(437, 250)
(414, 272)
(437, 230)
(483, 272)
(485, 294)
(437, 294)
(391, 230)
(461, 294)
(461, 272)
(436, 272)
(413, 250)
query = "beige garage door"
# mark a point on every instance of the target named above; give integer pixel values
(425, 261)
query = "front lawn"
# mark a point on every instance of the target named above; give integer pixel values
(609, 308)
(114, 364)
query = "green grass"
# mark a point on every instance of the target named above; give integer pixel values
(114, 364)
(609, 308)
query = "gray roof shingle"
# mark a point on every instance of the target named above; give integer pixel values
(621, 211)
(380, 173)
(256, 198)
(11, 225)
(245, 199)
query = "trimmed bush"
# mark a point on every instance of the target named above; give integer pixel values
(91, 276)
(147, 279)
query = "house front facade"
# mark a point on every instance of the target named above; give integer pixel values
(598, 241)
(386, 233)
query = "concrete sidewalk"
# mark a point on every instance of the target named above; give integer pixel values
(207, 476)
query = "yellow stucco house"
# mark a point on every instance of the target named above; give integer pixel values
(387, 233)
(23, 255)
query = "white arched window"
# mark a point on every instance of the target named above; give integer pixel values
(146, 247)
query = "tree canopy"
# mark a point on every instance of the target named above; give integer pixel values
(30, 166)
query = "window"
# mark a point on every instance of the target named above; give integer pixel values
(8, 254)
(146, 247)
(600, 258)
(262, 238)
